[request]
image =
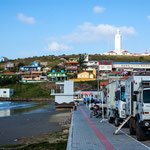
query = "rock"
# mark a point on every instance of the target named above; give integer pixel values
(66, 131)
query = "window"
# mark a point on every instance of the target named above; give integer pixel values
(146, 95)
(4, 92)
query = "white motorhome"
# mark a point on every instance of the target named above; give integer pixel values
(6, 92)
(137, 93)
(116, 102)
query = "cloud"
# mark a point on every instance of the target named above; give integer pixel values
(25, 19)
(55, 46)
(148, 17)
(92, 33)
(99, 9)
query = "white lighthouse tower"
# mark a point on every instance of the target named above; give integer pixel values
(118, 48)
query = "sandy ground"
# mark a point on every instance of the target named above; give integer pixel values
(14, 128)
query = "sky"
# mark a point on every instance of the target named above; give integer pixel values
(54, 27)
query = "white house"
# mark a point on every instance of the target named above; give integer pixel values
(64, 94)
(6, 92)
(110, 53)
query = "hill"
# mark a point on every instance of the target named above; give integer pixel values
(52, 60)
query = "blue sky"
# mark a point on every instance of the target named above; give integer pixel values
(53, 27)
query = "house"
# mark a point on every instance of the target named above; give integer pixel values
(33, 67)
(6, 92)
(145, 54)
(46, 69)
(64, 94)
(9, 66)
(91, 65)
(43, 63)
(126, 53)
(87, 75)
(57, 76)
(131, 66)
(7, 75)
(110, 53)
(32, 76)
(2, 59)
(72, 66)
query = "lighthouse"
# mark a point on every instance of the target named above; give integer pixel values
(118, 38)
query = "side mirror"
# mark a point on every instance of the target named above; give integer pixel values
(136, 92)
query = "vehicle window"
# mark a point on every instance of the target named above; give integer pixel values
(146, 96)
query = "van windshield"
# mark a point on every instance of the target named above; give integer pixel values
(146, 96)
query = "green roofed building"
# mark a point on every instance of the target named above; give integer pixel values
(57, 76)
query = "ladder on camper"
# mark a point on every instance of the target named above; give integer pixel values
(119, 128)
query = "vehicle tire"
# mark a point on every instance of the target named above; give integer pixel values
(110, 119)
(139, 132)
(117, 120)
(131, 129)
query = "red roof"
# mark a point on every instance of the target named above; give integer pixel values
(124, 78)
(9, 73)
(104, 83)
(116, 72)
(5, 58)
(111, 52)
(73, 62)
(136, 54)
(126, 52)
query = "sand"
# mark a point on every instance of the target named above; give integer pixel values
(17, 127)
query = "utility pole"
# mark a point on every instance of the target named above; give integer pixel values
(98, 98)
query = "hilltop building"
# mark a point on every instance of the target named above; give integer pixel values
(118, 48)
(33, 67)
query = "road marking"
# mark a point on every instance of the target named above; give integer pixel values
(100, 136)
(130, 137)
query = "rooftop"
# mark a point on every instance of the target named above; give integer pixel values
(131, 63)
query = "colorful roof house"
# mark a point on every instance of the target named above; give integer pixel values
(85, 76)
(33, 76)
(72, 66)
(33, 67)
(126, 53)
(145, 54)
(2, 59)
(57, 76)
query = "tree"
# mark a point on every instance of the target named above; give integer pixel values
(82, 61)
(20, 64)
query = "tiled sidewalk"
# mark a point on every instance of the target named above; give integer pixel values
(89, 134)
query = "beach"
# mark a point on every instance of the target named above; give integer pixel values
(14, 129)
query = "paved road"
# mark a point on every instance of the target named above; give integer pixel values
(91, 134)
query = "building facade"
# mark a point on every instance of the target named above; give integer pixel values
(6, 92)
(57, 76)
(33, 67)
(64, 95)
(72, 66)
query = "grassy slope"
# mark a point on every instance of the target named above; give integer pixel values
(38, 90)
